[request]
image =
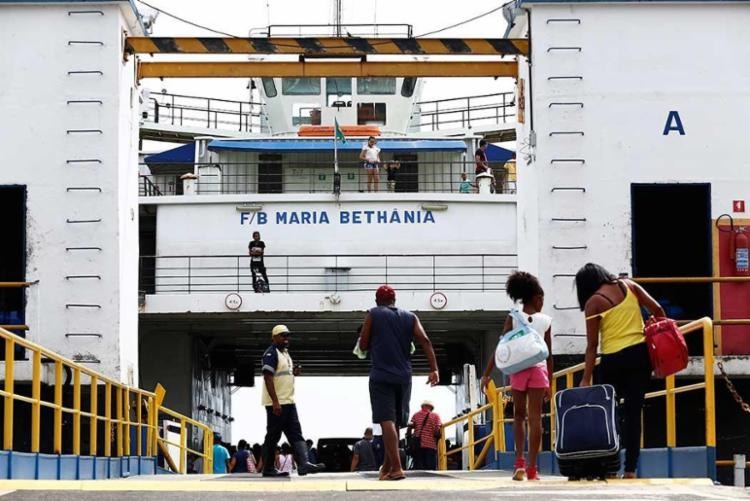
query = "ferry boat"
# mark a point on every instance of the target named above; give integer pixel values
(619, 159)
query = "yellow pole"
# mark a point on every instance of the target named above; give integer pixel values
(442, 457)
(208, 447)
(119, 417)
(671, 412)
(93, 422)
(76, 411)
(569, 380)
(708, 366)
(36, 394)
(57, 446)
(159, 394)
(552, 413)
(150, 451)
(107, 419)
(139, 418)
(183, 446)
(10, 348)
(501, 421)
(126, 412)
(470, 422)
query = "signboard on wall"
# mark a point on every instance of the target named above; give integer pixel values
(378, 227)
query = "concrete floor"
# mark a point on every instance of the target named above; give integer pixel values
(488, 485)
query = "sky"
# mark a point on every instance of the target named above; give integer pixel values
(328, 406)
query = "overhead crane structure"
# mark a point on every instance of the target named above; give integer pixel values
(316, 57)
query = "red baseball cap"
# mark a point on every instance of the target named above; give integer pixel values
(385, 294)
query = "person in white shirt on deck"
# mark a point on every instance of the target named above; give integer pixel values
(370, 154)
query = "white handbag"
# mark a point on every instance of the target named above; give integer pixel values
(521, 347)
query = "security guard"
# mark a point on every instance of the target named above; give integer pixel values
(281, 413)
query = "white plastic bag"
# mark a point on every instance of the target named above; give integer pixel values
(520, 348)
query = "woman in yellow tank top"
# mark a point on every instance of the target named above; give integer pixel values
(614, 327)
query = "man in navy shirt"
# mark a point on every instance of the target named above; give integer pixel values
(387, 333)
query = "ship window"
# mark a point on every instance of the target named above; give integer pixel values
(371, 113)
(304, 86)
(269, 87)
(339, 92)
(376, 85)
(270, 175)
(305, 114)
(408, 86)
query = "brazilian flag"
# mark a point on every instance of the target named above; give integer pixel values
(337, 131)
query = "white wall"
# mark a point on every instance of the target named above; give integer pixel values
(35, 138)
(638, 62)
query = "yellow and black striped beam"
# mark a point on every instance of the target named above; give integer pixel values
(334, 46)
(248, 69)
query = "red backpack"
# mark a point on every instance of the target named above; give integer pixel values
(666, 346)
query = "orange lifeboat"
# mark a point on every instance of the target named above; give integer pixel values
(348, 130)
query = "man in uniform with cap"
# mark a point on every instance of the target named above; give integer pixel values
(425, 426)
(388, 333)
(281, 412)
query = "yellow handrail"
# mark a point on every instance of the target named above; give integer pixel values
(496, 403)
(125, 397)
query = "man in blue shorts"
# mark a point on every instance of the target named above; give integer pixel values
(388, 333)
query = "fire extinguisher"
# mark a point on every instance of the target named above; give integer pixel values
(739, 247)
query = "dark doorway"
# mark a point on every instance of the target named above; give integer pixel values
(672, 238)
(270, 176)
(407, 178)
(13, 257)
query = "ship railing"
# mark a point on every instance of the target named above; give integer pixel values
(568, 378)
(203, 112)
(206, 274)
(466, 112)
(220, 178)
(105, 417)
(245, 116)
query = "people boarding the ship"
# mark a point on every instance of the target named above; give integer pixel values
(530, 387)
(425, 427)
(285, 459)
(363, 457)
(220, 456)
(388, 333)
(277, 397)
(614, 328)
(370, 155)
(256, 249)
(239, 461)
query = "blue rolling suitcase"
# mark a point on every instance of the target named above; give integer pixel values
(588, 439)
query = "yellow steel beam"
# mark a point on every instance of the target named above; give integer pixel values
(329, 46)
(248, 69)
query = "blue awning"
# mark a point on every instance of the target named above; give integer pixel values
(497, 154)
(292, 145)
(181, 154)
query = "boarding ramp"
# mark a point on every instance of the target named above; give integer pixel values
(65, 421)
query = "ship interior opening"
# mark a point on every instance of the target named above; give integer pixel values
(672, 238)
(13, 256)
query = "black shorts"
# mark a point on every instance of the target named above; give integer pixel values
(390, 402)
